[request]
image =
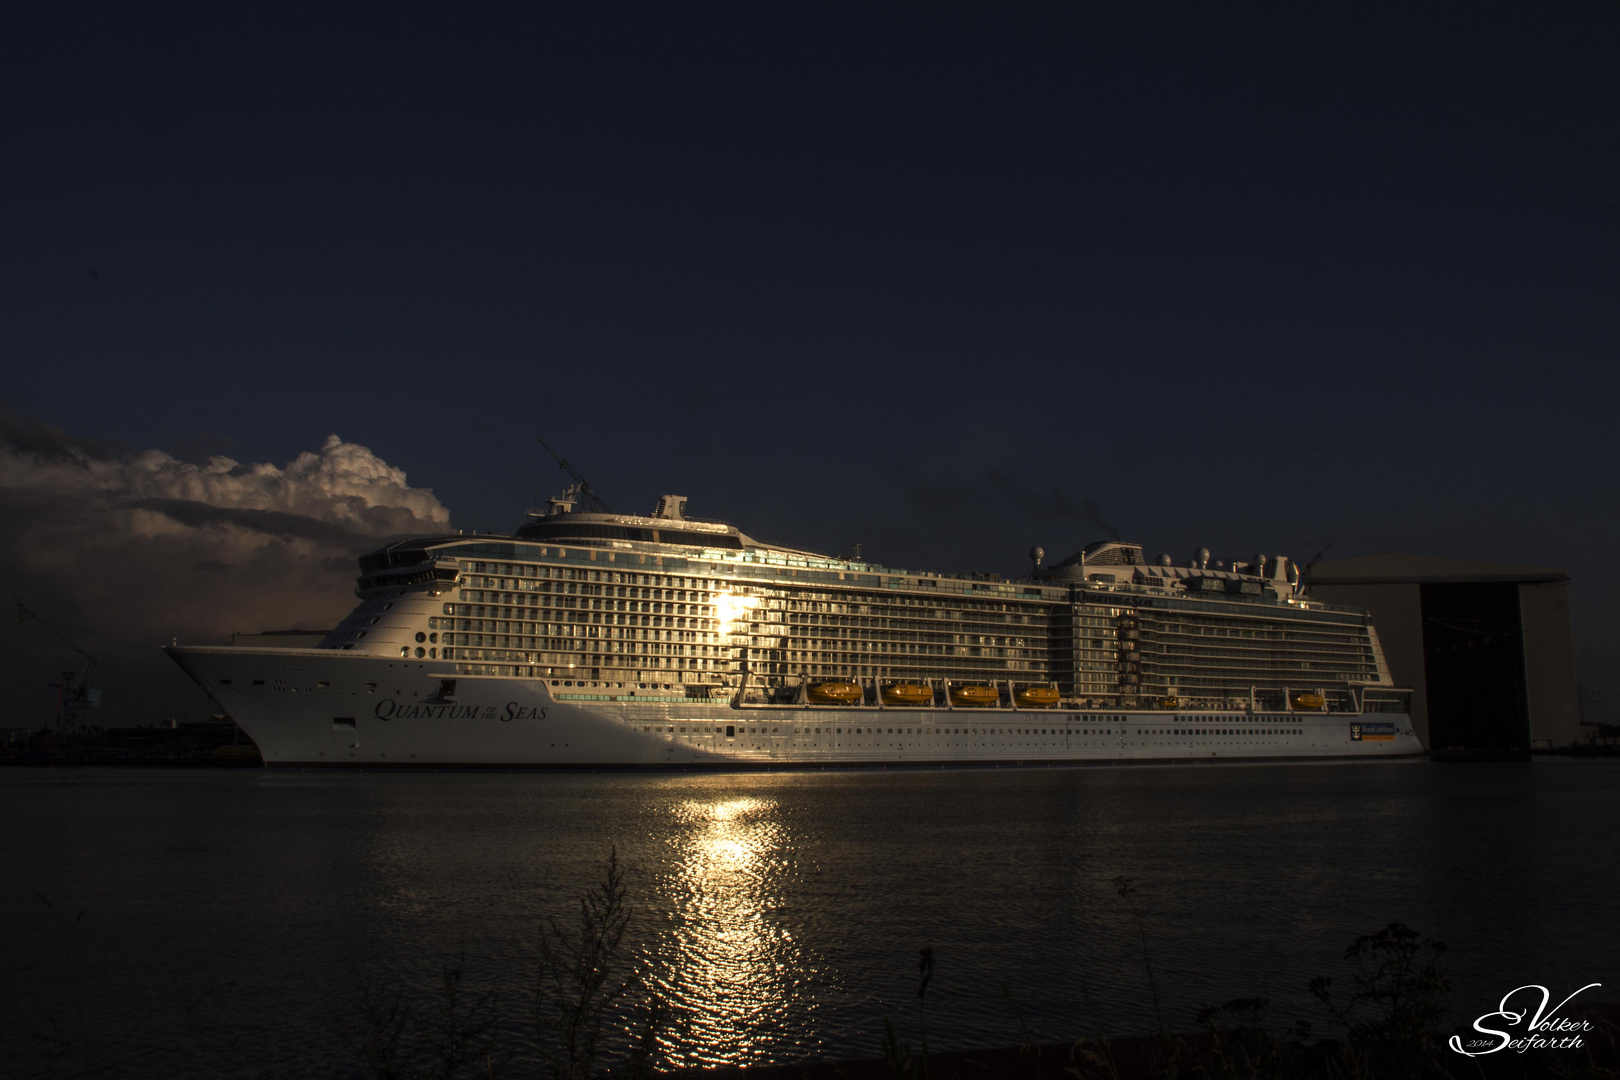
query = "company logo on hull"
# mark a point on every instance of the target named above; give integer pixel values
(388, 709)
(1372, 731)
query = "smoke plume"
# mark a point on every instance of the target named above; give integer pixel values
(1058, 507)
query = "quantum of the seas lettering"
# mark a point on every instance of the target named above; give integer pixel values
(387, 709)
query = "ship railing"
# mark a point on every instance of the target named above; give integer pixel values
(1386, 699)
(1334, 700)
(1130, 588)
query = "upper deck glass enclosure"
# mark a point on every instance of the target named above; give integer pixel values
(604, 598)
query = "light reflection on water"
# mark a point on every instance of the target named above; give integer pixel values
(729, 869)
(782, 912)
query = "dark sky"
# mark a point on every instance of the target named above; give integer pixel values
(945, 279)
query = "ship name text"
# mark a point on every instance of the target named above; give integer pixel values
(388, 709)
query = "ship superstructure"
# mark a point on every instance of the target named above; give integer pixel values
(663, 621)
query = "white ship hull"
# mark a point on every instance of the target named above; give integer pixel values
(328, 708)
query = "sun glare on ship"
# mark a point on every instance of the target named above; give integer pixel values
(732, 608)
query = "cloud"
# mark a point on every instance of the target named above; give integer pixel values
(25, 435)
(269, 522)
(126, 550)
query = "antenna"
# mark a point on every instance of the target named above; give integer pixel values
(592, 500)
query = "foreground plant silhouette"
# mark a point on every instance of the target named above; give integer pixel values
(1241, 1044)
(589, 1001)
(1168, 1049)
(455, 1039)
(1397, 1001)
(902, 1061)
(584, 984)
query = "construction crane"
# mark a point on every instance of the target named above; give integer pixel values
(592, 500)
(1305, 573)
(65, 661)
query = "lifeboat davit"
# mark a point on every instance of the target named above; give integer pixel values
(1036, 697)
(908, 694)
(974, 697)
(1308, 702)
(834, 693)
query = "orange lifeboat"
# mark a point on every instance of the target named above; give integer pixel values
(908, 694)
(1036, 697)
(1308, 702)
(974, 697)
(834, 693)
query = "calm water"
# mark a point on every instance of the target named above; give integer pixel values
(228, 916)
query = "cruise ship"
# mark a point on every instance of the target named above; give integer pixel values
(599, 640)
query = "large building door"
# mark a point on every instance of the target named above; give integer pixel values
(1473, 652)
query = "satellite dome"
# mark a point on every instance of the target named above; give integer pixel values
(1164, 560)
(1036, 554)
(1202, 557)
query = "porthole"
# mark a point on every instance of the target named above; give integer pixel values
(433, 654)
(420, 637)
(420, 652)
(433, 638)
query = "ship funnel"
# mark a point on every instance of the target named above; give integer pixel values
(670, 508)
